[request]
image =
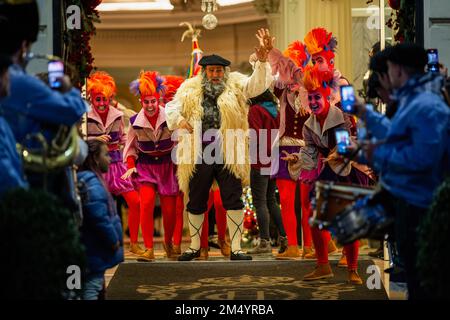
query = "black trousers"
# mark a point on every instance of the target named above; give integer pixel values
(201, 182)
(407, 220)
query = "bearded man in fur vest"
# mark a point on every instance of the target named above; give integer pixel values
(211, 111)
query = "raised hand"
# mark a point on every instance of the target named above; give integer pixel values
(261, 53)
(265, 40)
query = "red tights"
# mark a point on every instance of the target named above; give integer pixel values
(321, 239)
(178, 232)
(132, 199)
(147, 195)
(221, 218)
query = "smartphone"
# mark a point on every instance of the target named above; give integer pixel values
(348, 99)
(433, 60)
(342, 141)
(55, 74)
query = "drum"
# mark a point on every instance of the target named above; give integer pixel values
(332, 198)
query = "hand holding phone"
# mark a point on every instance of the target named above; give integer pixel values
(433, 60)
(348, 99)
(342, 141)
(55, 74)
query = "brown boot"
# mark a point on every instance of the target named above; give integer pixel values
(354, 278)
(308, 253)
(147, 256)
(322, 271)
(291, 253)
(136, 249)
(203, 254)
(176, 250)
(332, 247)
(342, 262)
(169, 250)
(225, 248)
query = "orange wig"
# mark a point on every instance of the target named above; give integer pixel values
(172, 83)
(149, 83)
(298, 53)
(101, 82)
(320, 41)
(314, 80)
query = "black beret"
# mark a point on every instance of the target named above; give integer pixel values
(213, 60)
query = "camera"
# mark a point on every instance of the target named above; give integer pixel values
(348, 99)
(55, 73)
(433, 60)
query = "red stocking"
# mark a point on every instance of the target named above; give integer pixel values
(306, 213)
(321, 239)
(132, 199)
(147, 195)
(221, 216)
(351, 252)
(178, 232)
(286, 189)
(205, 228)
(168, 209)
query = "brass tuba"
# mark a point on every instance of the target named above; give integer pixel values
(61, 152)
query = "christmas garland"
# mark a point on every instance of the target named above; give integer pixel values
(402, 20)
(77, 50)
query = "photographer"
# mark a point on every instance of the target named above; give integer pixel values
(32, 106)
(410, 152)
(12, 176)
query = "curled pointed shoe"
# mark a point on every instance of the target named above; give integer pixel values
(332, 247)
(176, 250)
(203, 254)
(291, 253)
(136, 249)
(308, 253)
(225, 248)
(147, 256)
(240, 255)
(342, 262)
(168, 248)
(322, 271)
(189, 254)
(354, 278)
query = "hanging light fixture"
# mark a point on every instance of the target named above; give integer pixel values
(209, 20)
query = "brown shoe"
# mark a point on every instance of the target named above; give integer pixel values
(147, 256)
(169, 250)
(354, 278)
(291, 253)
(322, 271)
(342, 262)
(203, 254)
(136, 249)
(177, 250)
(308, 253)
(225, 248)
(332, 247)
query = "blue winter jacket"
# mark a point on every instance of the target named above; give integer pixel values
(12, 173)
(413, 160)
(31, 105)
(101, 228)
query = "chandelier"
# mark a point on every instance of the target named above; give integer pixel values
(209, 20)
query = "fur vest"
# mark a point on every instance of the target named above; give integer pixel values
(234, 112)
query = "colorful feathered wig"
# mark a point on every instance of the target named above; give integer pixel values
(101, 82)
(149, 83)
(320, 41)
(172, 83)
(314, 80)
(298, 53)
